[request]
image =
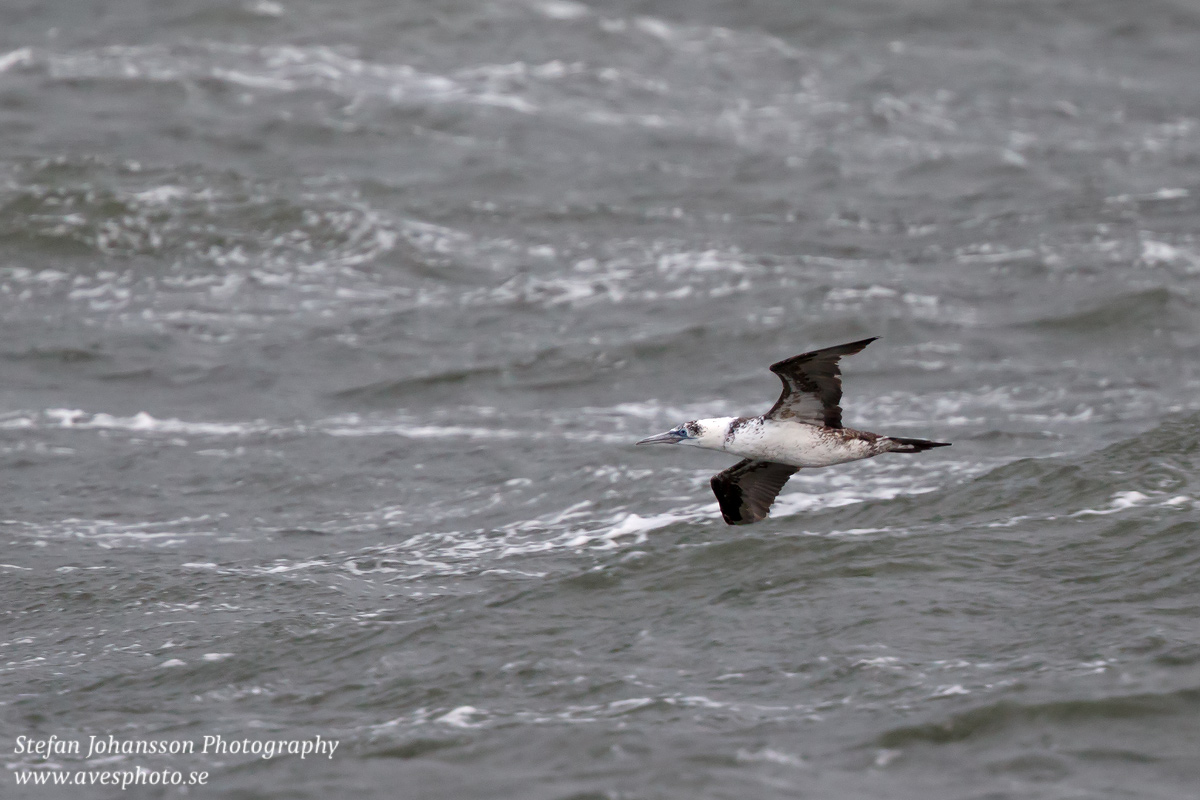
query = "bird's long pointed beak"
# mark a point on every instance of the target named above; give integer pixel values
(670, 437)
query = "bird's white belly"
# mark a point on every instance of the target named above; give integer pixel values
(795, 443)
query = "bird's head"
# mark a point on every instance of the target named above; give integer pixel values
(706, 433)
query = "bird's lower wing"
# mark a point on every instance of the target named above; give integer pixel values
(748, 488)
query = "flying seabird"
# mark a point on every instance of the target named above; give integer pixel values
(803, 429)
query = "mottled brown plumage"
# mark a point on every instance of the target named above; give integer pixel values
(812, 385)
(803, 429)
(748, 488)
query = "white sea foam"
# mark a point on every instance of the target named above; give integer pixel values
(580, 527)
(520, 88)
(769, 756)
(16, 58)
(143, 422)
(347, 425)
(461, 717)
(275, 68)
(1020, 405)
(109, 534)
(631, 704)
(880, 662)
(1160, 194)
(1120, 502)
(265, 8)
(562, 9)
(631, 525)
(793, 503)
(1123, 501)
(417, 431)
(849, 295)
(1157, 253)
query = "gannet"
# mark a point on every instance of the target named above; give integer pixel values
(803, 429)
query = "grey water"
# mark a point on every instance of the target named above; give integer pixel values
(326, 330)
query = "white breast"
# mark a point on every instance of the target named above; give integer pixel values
(793, 443)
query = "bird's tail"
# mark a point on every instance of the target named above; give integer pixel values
(899, 445)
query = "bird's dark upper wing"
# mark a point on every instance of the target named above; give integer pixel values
(748, 488)
(812, 385)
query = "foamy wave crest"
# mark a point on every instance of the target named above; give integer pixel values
(142, 422)
(275, 68)
(109, 534)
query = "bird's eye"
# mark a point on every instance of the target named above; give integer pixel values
(682, 432)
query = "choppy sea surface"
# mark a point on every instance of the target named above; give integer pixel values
(326, 330)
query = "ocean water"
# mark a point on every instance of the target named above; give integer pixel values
(326, 331)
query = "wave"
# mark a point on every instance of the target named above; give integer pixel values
(1151, 470)
(1006, 716)
(570, 91)
(1118, 314)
